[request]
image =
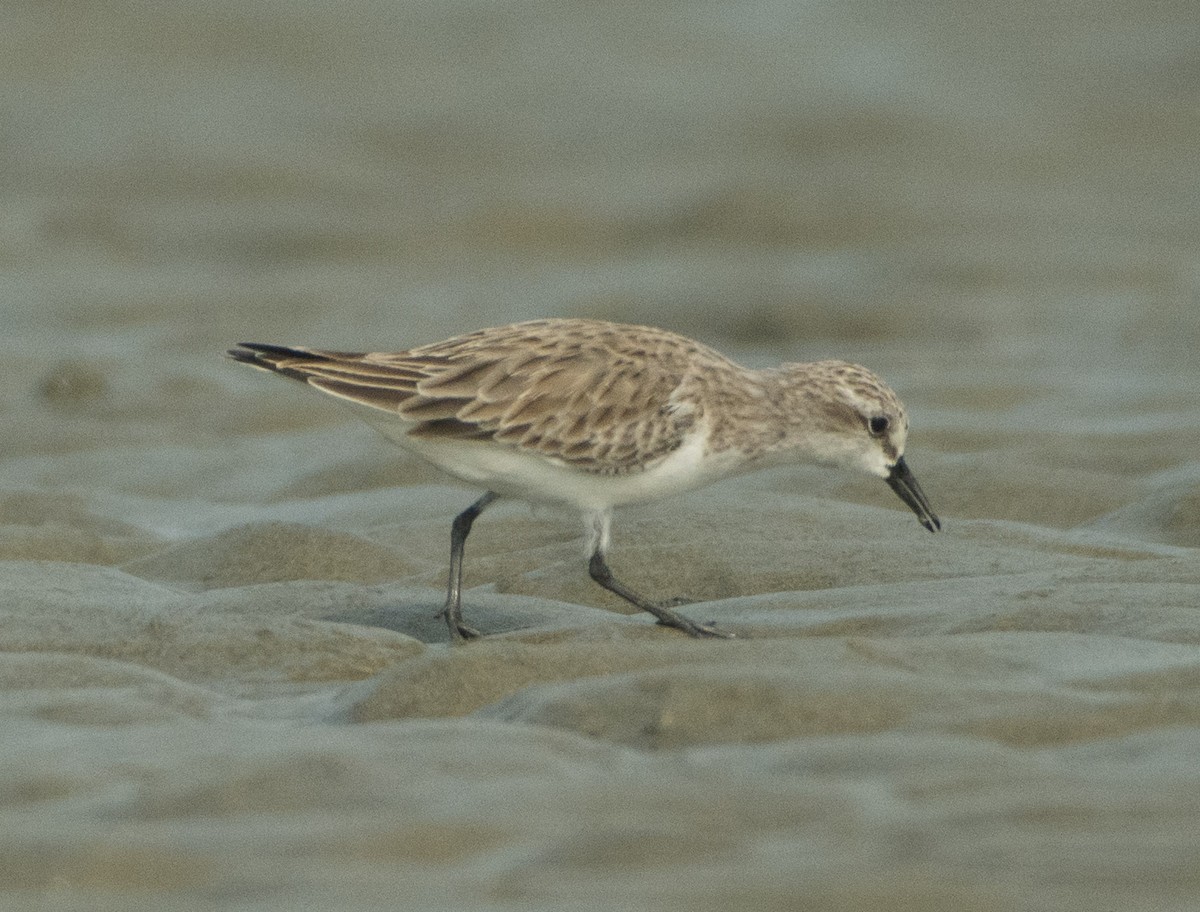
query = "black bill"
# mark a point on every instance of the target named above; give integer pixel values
(902, 482)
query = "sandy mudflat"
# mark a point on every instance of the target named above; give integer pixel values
(221, 682)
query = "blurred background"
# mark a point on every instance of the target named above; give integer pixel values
(994, 205)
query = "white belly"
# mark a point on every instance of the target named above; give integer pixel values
(529, 476)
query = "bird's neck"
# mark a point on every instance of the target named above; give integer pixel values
(747, 416)
(769, 417)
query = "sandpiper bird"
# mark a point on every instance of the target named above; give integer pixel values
(595, 415)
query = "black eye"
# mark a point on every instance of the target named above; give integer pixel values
(878, 425)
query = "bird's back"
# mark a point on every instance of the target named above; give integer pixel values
(601, 398)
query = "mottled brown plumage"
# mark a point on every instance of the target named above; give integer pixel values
(579, 391)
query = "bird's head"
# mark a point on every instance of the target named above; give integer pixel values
(845, 416)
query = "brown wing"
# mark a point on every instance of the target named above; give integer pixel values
(591, 394)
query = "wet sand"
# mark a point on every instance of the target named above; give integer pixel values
(223, 684)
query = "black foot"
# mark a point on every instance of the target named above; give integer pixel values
(460, 631)
(692, 628)
(668, 618)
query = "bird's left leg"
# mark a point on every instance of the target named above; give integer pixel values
(599, 570)
(459, 530)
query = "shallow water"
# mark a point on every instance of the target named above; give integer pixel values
(223, 685)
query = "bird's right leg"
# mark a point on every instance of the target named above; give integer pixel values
(460, 631)
(598, 570)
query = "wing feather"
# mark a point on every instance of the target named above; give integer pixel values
(580, 392)
(386, 398)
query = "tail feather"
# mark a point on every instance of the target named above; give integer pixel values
(278, 358)
(345, 375)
